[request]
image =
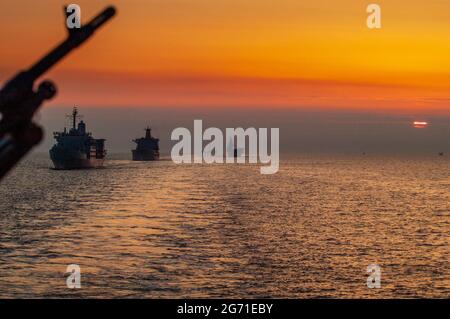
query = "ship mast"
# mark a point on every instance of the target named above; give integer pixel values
(74, 118)
(148, 133)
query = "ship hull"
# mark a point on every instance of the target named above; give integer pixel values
(145, 155)
(74, 161)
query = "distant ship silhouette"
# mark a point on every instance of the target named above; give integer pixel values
(147, 148)
(77, 148)
(234, 151)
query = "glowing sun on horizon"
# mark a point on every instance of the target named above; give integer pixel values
(420, 124)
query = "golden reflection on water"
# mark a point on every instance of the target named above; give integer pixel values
(162, 230)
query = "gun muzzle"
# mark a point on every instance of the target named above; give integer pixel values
(104, 16)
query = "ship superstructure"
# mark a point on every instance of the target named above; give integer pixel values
(147, 148)
(77, 148)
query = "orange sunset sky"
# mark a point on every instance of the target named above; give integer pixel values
(242, 53)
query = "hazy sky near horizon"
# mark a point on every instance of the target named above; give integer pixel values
(311, 68)
(301, 131)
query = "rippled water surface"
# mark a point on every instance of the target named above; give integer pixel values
(156, 229)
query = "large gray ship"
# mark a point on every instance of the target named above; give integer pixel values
(77, 148)
(147, 148)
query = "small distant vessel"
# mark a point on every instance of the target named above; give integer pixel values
(77, 148)
(234, 151)
(441, 153)
(147, 148)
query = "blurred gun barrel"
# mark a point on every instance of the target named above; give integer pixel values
(75, 38)
(20, 87)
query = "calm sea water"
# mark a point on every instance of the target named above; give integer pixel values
(156, 229)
